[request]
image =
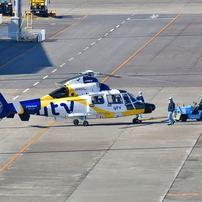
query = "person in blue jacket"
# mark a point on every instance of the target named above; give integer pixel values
(171, 108)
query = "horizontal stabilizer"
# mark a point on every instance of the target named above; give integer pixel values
(23, 114)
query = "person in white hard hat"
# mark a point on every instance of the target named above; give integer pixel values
(140, 98)
(171, 108)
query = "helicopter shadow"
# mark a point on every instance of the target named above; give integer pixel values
(122, 124)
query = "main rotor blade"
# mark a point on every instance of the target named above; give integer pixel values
(66, 80)
(137, 77)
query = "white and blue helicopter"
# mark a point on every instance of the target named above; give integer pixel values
(81, 97)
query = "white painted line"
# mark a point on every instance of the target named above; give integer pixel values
(36, 84)
(70, 59)
(106, 34)
(111, 30)
(117, 26)
(45, 77)
(54, 70)
(79, 53)
(128, 19)
(123, 22)
(93, 43)
(154, 16)
(99, 39)
(25, 90)
(62, 64)
(15, 97)
(86, 48)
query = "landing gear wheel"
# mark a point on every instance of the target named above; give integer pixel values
(85, 123)
(183, 118)
(135, 120)
(76, 122)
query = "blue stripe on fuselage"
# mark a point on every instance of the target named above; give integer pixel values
(31, 106)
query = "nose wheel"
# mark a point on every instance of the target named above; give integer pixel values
(135, 120)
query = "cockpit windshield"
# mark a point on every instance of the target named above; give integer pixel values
(60, 93)
(132, 97)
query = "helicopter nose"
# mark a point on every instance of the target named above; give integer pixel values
(149, 108)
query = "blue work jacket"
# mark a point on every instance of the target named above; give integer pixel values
(171, 107)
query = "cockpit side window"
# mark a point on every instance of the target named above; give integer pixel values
(60, 93)
(97, 99)
(127, 101)
(114, 99)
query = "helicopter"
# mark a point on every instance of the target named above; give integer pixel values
(80, 98)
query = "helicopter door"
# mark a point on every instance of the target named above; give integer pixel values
(127, 101)
(96, 104)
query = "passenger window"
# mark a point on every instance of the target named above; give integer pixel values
(114, 99)
(97, 99)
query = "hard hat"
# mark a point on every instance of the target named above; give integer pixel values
(201, 96)
(140, 93)
(170, 98)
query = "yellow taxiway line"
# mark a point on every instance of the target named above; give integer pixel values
(30, 143)
(44, 41)
(33, 140)
(148, 42)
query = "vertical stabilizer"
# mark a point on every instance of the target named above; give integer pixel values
(4, 107)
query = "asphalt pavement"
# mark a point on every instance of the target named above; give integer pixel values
(111, 159)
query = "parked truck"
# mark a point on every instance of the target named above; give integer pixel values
(40, 8)
(6, 7)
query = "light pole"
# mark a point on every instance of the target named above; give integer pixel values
(18, 14)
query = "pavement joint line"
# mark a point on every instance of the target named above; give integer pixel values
(28, 145)
(141, 48)
(183, 164)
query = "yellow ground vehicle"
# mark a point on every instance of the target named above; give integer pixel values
(40, 8)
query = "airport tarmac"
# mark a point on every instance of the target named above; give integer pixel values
(111, 159)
